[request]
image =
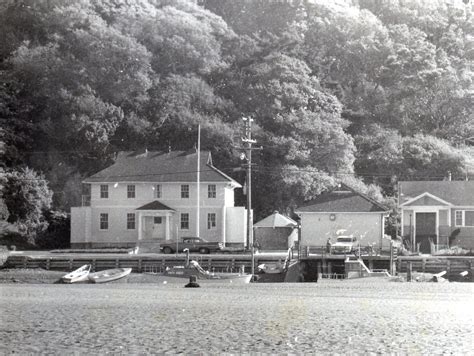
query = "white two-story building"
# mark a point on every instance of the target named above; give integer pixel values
(154, 196)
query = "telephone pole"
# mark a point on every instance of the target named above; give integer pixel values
(248, 142)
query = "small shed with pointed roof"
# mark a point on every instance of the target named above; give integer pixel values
(275, 232)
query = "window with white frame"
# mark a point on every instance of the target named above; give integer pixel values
(131, 191)
(184, 221)
(185, 191)
(211, 221)
(104, 191)
(464, 218)
(157, 193)
(130, 221)
(211, 191)
(104, 221)
(469, 218)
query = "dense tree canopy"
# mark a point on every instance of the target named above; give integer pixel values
(27, 198)
(367, 91)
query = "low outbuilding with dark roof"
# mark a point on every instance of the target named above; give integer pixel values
(342, 211)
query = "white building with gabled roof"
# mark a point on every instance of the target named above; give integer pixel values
(440, 211)
(153, 196)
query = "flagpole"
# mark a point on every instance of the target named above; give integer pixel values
(198, 178)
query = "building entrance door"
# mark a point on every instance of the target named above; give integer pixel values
(425, 229)
(158, 228)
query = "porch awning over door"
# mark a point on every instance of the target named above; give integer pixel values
(155, 205)
(154, 209)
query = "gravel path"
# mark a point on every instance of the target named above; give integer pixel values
(330, 317)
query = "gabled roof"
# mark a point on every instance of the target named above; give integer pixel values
(155, 205)
(276, 220)
(458, 193)
(148, 166)
(425, 199)
(340, 200)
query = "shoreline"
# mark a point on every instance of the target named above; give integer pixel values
(42, 276)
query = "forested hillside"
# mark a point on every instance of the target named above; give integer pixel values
(368, 91)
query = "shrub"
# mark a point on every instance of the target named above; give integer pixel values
(57, 235)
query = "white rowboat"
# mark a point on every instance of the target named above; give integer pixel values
(109, 275)
(79, 275)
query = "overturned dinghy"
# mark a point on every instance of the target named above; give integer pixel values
(109, 275)
(79, 275)
(438, 278)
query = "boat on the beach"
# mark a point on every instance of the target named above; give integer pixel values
(109, 275)
(79, 275)
(194, 269)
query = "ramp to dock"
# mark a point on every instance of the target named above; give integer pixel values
(356, 268)
(293, 272)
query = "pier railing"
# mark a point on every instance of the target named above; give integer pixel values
(138, 263)
(306, 250)
(453, 265)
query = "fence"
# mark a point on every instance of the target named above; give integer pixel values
(307, 250)
(452, 265)
(136, 262)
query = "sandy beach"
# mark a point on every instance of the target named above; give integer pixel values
(154, 317)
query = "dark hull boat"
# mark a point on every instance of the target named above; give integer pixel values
(194, 269)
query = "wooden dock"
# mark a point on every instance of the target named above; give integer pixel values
(139, 263)
(310, 266)
(453, 265)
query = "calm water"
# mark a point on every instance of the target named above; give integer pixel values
(324, 318)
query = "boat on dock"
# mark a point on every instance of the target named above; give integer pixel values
(79, 275)
(109, 275)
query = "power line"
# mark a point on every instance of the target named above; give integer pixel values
(267, 170)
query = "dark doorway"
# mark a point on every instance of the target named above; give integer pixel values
(425, 229)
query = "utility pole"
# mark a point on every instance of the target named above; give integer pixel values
(198, 183)
(248, 142)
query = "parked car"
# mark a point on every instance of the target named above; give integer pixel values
(344, 244)
(193, 244)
